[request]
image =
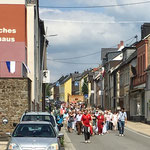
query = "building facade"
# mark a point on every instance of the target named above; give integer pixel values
(23, 45)
(13, 39)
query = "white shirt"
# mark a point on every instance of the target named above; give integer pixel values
(96, 114)
(78, 117)
(122, 116)
(65, 116)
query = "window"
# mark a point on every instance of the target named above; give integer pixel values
(34, 130)
(138, 65)
(48, 118)
(141, 65)
(144, 62)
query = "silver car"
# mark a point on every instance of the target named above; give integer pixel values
(34, 135)
(40, 116)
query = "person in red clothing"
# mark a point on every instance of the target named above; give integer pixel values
(100, 123)
(86, 118)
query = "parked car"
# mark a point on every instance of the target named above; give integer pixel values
(37, 135)
(40, 116)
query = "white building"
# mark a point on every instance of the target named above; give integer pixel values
(35, 54)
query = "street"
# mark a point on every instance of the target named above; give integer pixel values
(111, 141)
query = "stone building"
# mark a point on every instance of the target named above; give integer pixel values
(147, 97)
(15, 99)
(139, 80)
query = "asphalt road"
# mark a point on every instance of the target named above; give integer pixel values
(111, 141)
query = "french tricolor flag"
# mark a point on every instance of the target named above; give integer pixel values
(11, 65)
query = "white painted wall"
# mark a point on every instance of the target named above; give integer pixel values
(30, 47)
(12, 2)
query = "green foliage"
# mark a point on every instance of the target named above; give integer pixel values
(62, 141)
(85, 87)
(47, 92)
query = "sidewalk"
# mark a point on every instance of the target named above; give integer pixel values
(139, 127)
(67, 142)
(3, 145)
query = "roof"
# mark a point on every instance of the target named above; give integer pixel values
(37, 113)
(60, 80)
(128, 48)
(112, 55)
(76, 76)
(84, 74)
(35, 122)
(125, 62)
(67, 77)
(104, 51)
(133, 55)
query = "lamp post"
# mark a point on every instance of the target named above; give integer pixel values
(44, 67)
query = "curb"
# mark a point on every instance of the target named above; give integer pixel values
(3, 143)
(137, 132)
(67, 142)
(132, 127)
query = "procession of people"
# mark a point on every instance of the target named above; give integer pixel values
(90, 121)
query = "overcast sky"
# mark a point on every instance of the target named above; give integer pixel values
(84, 31)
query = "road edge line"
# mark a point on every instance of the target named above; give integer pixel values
(67, 142)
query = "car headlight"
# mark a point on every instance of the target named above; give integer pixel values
(53, 147)
(13, 146)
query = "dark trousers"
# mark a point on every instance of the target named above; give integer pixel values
(100, 128)
(110, 125)
(86, 133)
(79, 126)
(121, 127)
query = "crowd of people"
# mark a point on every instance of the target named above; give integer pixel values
(89, 121)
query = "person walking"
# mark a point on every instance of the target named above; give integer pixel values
(100, 123)
(115, 120)
(79, 122)
(122, 118)
(70, 120)
(107, 116)
(60, 122)
(65, 118)
(86, 118)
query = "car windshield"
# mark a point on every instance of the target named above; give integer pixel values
(48, 118)
(34, 130)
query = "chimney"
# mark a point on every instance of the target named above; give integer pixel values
(121, 44)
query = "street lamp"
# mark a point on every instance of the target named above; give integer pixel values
(50, 35)
(44, 66)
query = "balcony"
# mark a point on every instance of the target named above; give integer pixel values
(19, 71)
(139, 80)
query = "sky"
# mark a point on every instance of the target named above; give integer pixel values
(80, 32)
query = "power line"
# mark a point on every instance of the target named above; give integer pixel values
(97, 6)
(77, 56)
(97, 22)
(72, 62)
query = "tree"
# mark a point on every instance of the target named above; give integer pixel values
(48, 93)
(85, 87)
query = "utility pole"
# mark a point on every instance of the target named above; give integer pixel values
(44, 67)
